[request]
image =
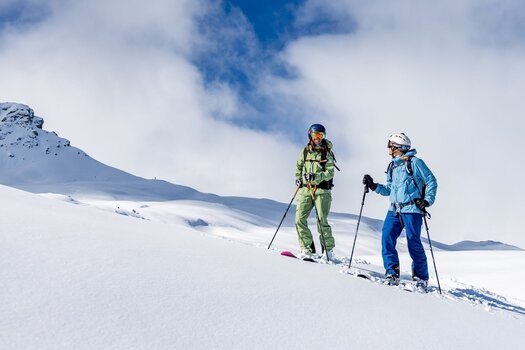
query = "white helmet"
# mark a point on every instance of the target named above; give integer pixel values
(400, 141)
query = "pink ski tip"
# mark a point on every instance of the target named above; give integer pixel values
(287, 253)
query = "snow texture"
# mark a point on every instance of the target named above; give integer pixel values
(95, 258)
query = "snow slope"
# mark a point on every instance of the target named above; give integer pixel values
(75, 276)
(104, 259)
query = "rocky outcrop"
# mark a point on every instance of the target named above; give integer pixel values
(39, 161)
(21, 130)
(19, 114)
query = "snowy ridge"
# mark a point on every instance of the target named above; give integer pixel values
(36, 160)
(471, 245)
(21, 134)
(39, 161)
(32, 155)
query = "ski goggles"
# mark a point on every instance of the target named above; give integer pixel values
(391, 144)
(397, 145)
(317, 135)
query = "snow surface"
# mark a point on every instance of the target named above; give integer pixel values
(97, 258)
(76, 276)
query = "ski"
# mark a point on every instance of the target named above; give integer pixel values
(315, 258)
(292, 255)
(362, 275)
(409, 286)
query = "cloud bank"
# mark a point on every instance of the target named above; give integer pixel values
(130, 84)
(446, 77)
(117, 79)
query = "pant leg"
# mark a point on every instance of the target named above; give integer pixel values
(323, 201)
(392, 228)
(302, 212)
(415, 247)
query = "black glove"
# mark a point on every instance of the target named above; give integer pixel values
(369, 182)
(309, 177)
(421, 204)
(299, 182)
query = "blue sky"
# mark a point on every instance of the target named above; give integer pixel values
(21, 14)
(267, 28)
(275, 22)
(272, 21)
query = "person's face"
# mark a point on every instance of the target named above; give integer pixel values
(317, 137)
(393, 151)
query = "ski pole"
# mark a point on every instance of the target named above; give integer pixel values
(320, 228)
(286, 212)
(432, 252)
(358, 221)
(425, 214)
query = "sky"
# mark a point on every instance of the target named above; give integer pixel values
(218, 95)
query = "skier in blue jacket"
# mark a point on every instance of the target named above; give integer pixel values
(412, 188)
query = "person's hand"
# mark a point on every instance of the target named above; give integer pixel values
(299, 182)
(309, 177)
(369, 182)
(421, 204)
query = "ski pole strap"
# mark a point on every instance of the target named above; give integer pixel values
(312, 190)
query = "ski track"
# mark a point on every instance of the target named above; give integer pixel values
(451, 288)
(477, 297)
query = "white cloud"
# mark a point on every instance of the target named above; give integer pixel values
(115, 78)
(426, 70)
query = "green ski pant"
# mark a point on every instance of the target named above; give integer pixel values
(323, 200)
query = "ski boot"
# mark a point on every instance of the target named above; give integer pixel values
(328, 256)
(421, 284)
(391, 280)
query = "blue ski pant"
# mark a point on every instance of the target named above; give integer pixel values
(392, 228)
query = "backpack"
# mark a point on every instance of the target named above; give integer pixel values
(327, 185)
(408, 167)
(410, 171)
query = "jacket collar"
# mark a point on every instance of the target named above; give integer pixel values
(405, 156)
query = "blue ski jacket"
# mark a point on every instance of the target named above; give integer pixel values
(404, 188)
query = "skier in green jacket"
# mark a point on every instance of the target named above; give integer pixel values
(314, 173)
